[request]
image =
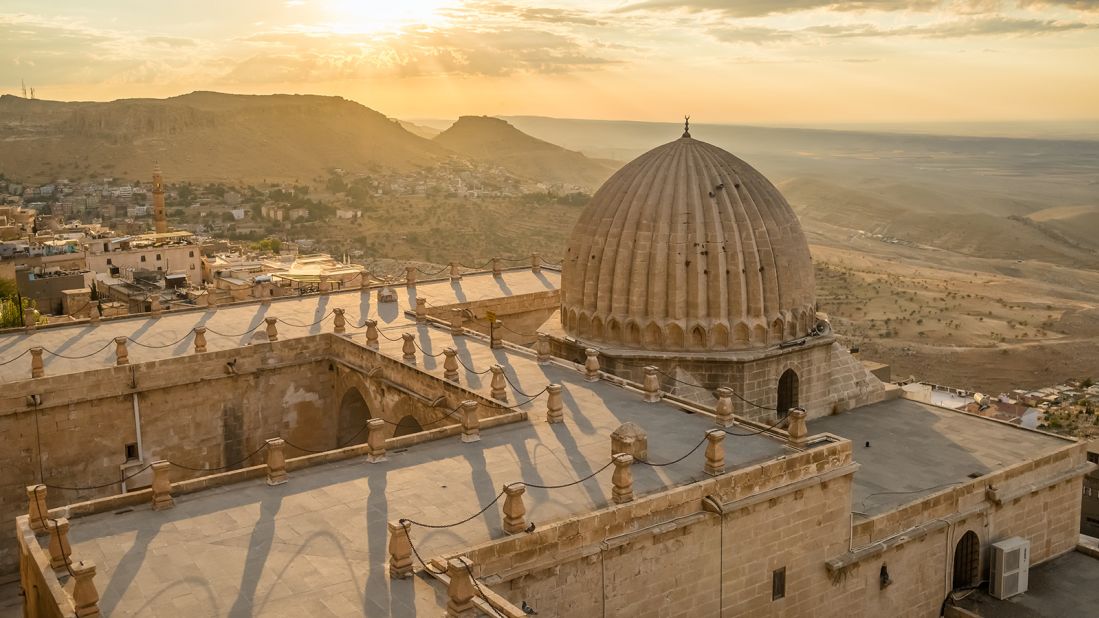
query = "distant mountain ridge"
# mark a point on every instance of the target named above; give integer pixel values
(494, 141)
(204, 136)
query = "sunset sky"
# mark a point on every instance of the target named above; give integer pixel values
(743, 61)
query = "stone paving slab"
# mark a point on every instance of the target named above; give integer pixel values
(317, 545)
(174, 327)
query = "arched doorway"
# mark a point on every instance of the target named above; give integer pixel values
(967, 561)
(407, 426)
(353, 416)
(787, 392)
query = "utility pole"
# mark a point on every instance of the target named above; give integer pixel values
(23, 83)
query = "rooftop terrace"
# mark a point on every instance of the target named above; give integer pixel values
(317, 545)
(908, 450)
(80, 347)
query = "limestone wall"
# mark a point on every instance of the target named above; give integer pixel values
(830, 379)
(664, 555)
(668, 554)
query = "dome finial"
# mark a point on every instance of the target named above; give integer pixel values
(687, 126)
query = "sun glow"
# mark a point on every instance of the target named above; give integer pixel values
(383, 16)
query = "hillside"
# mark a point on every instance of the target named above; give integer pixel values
(496, 142)
(203, 136)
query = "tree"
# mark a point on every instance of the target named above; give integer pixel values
(8, 288)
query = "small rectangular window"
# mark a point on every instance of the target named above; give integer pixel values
(158, 257)
(109, 263)
(131, 451)
(778, 584)
(190, 254)
(143, 258)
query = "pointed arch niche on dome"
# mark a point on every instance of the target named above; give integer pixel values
(584, 327)
(792, 325)
(654, 337)
(573, 321)
(775, 334)
(614, 331)
(633, 333)
(597, 328)
(698, 338)
(741, 334)
(674, 337)
(719, 337)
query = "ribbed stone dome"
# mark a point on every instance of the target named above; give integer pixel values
(687, 248)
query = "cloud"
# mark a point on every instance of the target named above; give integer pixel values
(1079, 5)
(536, 14)
(757, 8)
(750, 34)
(460, 50)
(986, 26)
(170, 41)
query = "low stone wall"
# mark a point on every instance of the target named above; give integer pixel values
(668, 550)
(45, 596)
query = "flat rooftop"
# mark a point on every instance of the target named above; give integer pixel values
(908, 449)
(1061, 588)
(89, 346)
(317, 544)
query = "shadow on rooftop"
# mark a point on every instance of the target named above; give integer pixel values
(259, 548)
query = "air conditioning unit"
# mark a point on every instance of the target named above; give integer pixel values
(1010, 567)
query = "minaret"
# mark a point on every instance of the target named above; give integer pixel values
(158, 201)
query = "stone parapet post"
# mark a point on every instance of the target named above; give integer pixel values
(723, 412)
(324, 286)
(400, 550)
(496, 340)
(162, 486)
(457, 322)
(122, 356)
(555, 406)
(715, 452)
(535, 263)
(542, 348)
(85, 596)
(421, 310)
(276, 462)
(455, 271)
(460, 591)
(450, 364)
(410, 276)
(622, 479)
(498, 383)
(515, 512)
(94, 315)
(339, 322)
(364, 281)
(60, 550)
(796, 428)
(471, 425)
(591, 365)
(37, 369)
(36, 508)
(372, 334)
(272, 329)
(651, 384)
(408, 349)
(154, 306)
(497, 269)
(200, 339)
(375, 440)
